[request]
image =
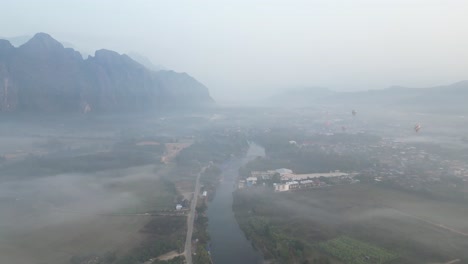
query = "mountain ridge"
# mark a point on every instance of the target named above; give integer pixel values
(43, 76)
(449, 98)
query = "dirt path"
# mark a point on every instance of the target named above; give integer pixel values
(173, 149)
(169, 255)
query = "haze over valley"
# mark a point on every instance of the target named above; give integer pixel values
(181, 132)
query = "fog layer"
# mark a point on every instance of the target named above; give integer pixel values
(248, 48)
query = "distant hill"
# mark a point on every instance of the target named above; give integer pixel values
(146, 62)
(43, 76)
(301, 96)
(445, 99)
(18, 40)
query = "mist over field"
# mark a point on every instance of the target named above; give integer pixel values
(84, 189)
(36, 203)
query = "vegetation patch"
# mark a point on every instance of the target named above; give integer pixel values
(275, 244)
(164, 234)
(353, 251)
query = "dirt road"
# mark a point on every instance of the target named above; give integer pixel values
(191, 218)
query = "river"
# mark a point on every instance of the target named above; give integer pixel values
(228, 243)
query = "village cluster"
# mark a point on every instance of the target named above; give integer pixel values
(286, 180)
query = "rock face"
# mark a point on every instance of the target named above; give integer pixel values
(43, 76)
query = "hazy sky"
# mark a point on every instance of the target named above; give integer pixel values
(241, 46)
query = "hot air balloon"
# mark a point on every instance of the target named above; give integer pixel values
(417, 127)
(86, 108)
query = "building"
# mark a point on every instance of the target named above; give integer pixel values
(264, 175)
(251, 181)
(205, 193)
(241, 184)
(309, 183)
(178, 207)
(281, 187)
(293, 185)
(284, 187)
(284, 171)
(300, 177)
(296, 185)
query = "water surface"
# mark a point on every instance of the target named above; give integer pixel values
(228, 243)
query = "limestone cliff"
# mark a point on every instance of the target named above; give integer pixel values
(43, 76)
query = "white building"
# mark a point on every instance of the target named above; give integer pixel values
(284, 187)
(279, 187)
(251, 181)
(299, 177)
(178, 207)
(205, 193)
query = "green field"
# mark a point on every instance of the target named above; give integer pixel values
(353, 251)
(410, 226)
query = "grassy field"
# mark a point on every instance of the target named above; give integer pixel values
(353, 251)
(417, 229)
